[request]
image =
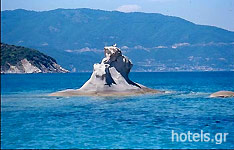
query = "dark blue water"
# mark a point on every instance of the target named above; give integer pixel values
(31, 119)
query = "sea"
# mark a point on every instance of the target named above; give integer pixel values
(183, 117)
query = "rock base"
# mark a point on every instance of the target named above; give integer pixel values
(222, 94)
(79, 92)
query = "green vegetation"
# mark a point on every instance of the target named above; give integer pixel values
(56, 31)
(11, 54)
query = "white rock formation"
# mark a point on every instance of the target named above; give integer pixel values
(109, 78)
(25, 66)
(223, 94)
(28, 67)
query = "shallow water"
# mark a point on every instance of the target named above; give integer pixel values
(31, 119)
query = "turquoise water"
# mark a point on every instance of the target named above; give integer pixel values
(31, 119)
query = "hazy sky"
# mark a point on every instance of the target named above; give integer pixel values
(218, 13)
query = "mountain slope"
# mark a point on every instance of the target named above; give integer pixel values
(17, 59)
(76, 37)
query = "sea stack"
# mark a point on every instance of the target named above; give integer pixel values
(109, 78)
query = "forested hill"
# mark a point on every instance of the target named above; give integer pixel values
(18, 59)
(154, 42)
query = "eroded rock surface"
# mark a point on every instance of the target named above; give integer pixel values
(109, 78)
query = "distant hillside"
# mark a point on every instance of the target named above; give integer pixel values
(154, 42)
(17, 59)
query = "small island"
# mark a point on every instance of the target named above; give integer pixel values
(19, 59)
(109, 78)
